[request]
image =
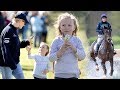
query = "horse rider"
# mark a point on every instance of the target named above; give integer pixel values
(103, 24)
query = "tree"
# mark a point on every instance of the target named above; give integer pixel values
(91, 21)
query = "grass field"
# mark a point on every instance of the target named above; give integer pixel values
(28, 64)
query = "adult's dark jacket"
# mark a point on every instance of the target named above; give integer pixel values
(10, 46)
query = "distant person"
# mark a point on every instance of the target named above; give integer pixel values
(5, 15)
(10, 46)
(26, 27)
(103, 24)
(2, 25)
(36, 24)
(42, 63)
(66, 49)
(2, 20)
(45, 24)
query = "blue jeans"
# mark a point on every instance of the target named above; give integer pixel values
(7, 72)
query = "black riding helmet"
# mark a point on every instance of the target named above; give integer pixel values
(103, 16)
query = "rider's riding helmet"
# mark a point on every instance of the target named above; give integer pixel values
(103, 16)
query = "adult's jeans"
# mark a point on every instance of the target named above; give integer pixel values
(7, 72)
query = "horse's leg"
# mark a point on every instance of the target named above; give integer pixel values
(93, 58)
(111, 64)
(104, 68)
(92, 55)
(97, 68)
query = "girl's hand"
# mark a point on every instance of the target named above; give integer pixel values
(63, 48)
(28, 48)
(69, 45)
(45, 71)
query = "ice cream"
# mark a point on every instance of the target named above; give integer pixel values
(67, 37)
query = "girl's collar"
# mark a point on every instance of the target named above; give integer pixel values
(41, 55)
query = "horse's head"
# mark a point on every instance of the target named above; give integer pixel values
(107, 34)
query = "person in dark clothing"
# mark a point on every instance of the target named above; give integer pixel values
(6, 20)
(2, 20)
(2, 24)
(103, 24)
(10, 46)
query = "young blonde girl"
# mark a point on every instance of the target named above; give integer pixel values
(66, 49)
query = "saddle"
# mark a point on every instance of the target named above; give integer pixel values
(100, 46)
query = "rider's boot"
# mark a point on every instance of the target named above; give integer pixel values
(96, 51)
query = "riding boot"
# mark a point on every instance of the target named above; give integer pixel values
(96, 51)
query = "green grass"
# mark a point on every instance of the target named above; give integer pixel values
(117, 46)
(116, 41)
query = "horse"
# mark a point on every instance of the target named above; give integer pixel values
(105, 52)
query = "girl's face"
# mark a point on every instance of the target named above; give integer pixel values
(43, 49)
(104, 19)
(67, 26)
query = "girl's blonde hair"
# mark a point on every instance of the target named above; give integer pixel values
(64, 16)
(46, 46)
